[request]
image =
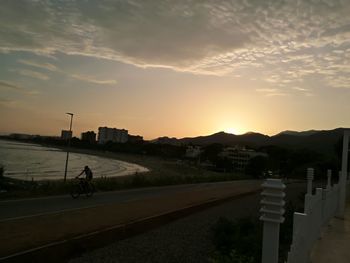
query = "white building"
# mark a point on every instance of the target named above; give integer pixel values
(240, 156)
(106, 134)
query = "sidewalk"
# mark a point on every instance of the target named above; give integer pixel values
(334, 246)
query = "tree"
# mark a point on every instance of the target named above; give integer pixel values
(256, 166)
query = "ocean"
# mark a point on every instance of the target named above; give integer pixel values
(35, 162)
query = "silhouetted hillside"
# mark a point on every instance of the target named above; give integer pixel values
(320, 141)
(296, 133)
(228, 139)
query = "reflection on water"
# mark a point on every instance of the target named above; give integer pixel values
(26, 161)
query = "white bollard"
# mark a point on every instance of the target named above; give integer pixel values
(272, 214)
(344, 172)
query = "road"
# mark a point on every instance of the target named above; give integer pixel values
(31, 223)
(31, 207)
(187, 239)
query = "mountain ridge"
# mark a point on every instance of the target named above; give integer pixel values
(317, 140)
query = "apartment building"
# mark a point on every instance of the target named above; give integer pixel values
(106, 134)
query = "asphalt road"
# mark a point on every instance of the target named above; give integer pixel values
(186, 240)
(28, 224)
(23, 208)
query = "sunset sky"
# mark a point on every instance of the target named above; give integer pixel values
(174, 68)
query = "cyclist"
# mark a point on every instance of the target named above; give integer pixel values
(88, 176)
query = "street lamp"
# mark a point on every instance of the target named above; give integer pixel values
(70, 136)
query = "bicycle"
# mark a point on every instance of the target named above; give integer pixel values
(82, 186)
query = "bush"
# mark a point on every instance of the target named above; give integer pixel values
(241, 240)
(237, 241)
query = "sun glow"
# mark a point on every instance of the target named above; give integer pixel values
(232, 130)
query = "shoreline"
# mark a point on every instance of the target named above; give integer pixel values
(128, 166)
(161, 172)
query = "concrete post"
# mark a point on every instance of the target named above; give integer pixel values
(329, 179)
(272, 215)
(308, 196)
(310, 178)
(344, 172)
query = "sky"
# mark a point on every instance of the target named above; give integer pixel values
(174, 68)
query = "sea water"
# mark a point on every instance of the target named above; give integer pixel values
(35, 162)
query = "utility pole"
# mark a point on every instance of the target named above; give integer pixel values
(69, 139)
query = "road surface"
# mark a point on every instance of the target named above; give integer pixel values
(30, 223)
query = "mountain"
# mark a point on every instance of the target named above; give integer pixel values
(320, 141)
(166, 140)
(296, 133)
(227, 139)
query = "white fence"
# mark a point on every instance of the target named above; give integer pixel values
(318, 210)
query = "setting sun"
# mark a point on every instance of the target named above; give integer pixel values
(232, 130)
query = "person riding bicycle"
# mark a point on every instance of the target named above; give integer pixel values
(88, 175)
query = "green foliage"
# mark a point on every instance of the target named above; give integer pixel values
(257, 166)
(237, 241)
(241, 240)
(211, 152)
(232, 257)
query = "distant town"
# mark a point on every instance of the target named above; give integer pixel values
(254, 154)
(238, 156)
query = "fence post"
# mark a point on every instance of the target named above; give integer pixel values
(308, 196)
(344, 173)
(310, 178)
(329, 179)
(272, 215)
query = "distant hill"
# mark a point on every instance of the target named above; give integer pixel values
(296, 133)
(166, 140)
(320, 141)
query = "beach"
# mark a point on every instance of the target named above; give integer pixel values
(27, 161)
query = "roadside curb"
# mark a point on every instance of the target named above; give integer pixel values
(63, 250)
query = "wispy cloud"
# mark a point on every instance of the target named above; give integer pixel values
(272, 92)
(32, 74)
(10, 86)
(8, 103)
(276, 94)
(266, 90)
(299, 89)
(47, 66)
(92, 79)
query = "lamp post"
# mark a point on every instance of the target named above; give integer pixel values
(70, 133)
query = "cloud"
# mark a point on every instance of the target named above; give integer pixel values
(8, 103)
(266, 90)
(277, 94)
(272, 92)
(285, 41)
(299, 89)
(92, 79)
(32, 74)
(47, 66)
(10, 86)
